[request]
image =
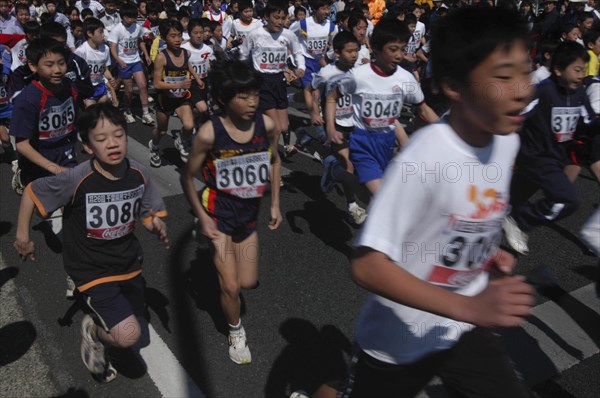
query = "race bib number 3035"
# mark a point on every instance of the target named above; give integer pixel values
(57, 121)
(112, 215)
(380, 111)
(243, 176)
(316, 45)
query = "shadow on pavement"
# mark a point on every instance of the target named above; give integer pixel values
(15, 340)
(7, 274)
(312, 357)
(157, 302)
(5, 227)
(74, 393)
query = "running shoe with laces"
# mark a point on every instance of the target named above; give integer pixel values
(517, 239)
(357, 213)
(92, 350)
(154, 155)
(129, 117)
(183, 146)
(238, 347)
(70, 288)
(16, 183)
(147, 119)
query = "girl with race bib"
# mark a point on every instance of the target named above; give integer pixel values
(237, 153)
(172, 71)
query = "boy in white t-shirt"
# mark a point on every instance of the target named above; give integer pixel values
(125, 39)
(243, 25)
(434, 227)
(97, 56)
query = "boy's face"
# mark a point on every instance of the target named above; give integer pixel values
(498, 90)
(97, 37)
(587, 24)
(51, 68)
(127, 21)
(417, 13)
(573, 74)
(74, 15)
(23, 16)
(207, 33)
(595, 46)
(142, 8)
(247, 15)
(110, 8)
(244, 105)
(218, 33)
(412, 27)
(197, 36)
(390, 56)
(275, 21)
(107, 142)
(300, 16)
(360, 31)
(572, 35)
(348, 55)
(153, 17)
(322, 13)
(173, 39)
(51, 7)
(77, 32)
(216, 5)
(184, 22)
(3, 7)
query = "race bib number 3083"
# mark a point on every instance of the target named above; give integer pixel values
(112, 215)
(380, 111)
(243, 176)
(57, 121)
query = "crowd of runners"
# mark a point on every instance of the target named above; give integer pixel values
(509, 94)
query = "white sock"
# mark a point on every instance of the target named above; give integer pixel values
(145, 109)
(235, 328)
(352, 205)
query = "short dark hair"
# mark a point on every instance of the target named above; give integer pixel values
(566, 28)
(299, 9)
(153, 8)
(566, 53)
(86, 12)
(129, 10)
(387, 31)
(230, 78)
(31, 28)
(46, 17)
(547, 46)
(70, 9)
(590, 37)
(91, 25)
(467, 36)
(212, 25)
(410, 18)
(341, 39)
(89, 118)
(77, 24)
(20, 6)
(196, 22)
(244, 4)
(182, 13)
(39, 48)
(275, 6)
(316, 4)
(51, 2)
(354, 19)
(165, 25)
(53, 29)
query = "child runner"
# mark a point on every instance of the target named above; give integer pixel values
(591, 40)
(432, 234)
(103, 199)
(124, 40)
(56, 16)
(214, 13)
(243, 25)
(560, 104)
(237, 152)
(346, 47)
(5, 18)
(546, 48)
(32, 31)
(8, 154)
(378, 90)
(172, 71)
(269, 48)
(200, 59)
(97, 56)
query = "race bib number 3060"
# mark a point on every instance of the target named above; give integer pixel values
(112, 215)
(243, 176)
(380, 111)
(57, 121)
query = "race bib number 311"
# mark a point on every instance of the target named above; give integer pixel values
(112, 215)
(243, 176)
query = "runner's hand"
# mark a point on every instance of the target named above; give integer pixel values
(336, 137)
(276, 218)
(26, 249)
(159, 227)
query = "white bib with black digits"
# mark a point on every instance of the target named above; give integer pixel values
(112, 215)
(564, 122)
(130, 46)
(176, 92)
(271, 58)
(466, 251)
(57, 121)
(201, 67)
(316, 45)
(243, 176)
(380, 110)
(97, 71)
(344, 107)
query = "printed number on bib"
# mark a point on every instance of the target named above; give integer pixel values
(97, 69)
(467, 252)
(272, 58)
(564, 122)
(201, 69)
(177, 92)
(316, 45)
(57, 121)
(112, 215)
(380, 111)
(344, 106)
(243, 176)
(3, 95)
(130, 46)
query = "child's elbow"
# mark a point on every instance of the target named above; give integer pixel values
(359, 271)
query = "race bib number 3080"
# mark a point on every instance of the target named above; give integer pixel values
(112, 215)
(243, 176)
(380, 111)
(57, 121)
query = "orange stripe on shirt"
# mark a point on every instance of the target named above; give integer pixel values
(161, 213)
(40, 207)
(106, 279)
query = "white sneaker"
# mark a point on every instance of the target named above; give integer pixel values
(92, 350)
(70, 288)
(238, 347)
(183, 146)
(129, 117)
(147, 119)
(516, 238)
(154, 155)
(357, 213)
(16, 183)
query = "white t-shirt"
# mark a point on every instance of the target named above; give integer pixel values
(222, 18)
(18, 54)
(438, 215)
(240, 29)
(593, 92)
(127, 41)
(110, 21)
(329, 74)
(377, 100)
(200, 58)
(317, 38)
(93, 5)
(363, 53)
(541, 73)
(5, 23)
(269, 51)
(97, 59)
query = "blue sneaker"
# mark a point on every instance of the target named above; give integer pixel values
(327, 180)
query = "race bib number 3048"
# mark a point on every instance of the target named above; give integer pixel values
(243, 176)
(57, 121)
(380, 111)
(112, 215)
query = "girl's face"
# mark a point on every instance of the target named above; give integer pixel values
(197, 36)
(360, 31)
(218, 33)
(74, 15)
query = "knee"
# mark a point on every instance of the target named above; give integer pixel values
(126, 333)
(188, 125)
(231, 288)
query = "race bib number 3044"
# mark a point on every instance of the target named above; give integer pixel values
(57, 121)
(272, 58)
(112, 215)
(380, 111)
(243, 176)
